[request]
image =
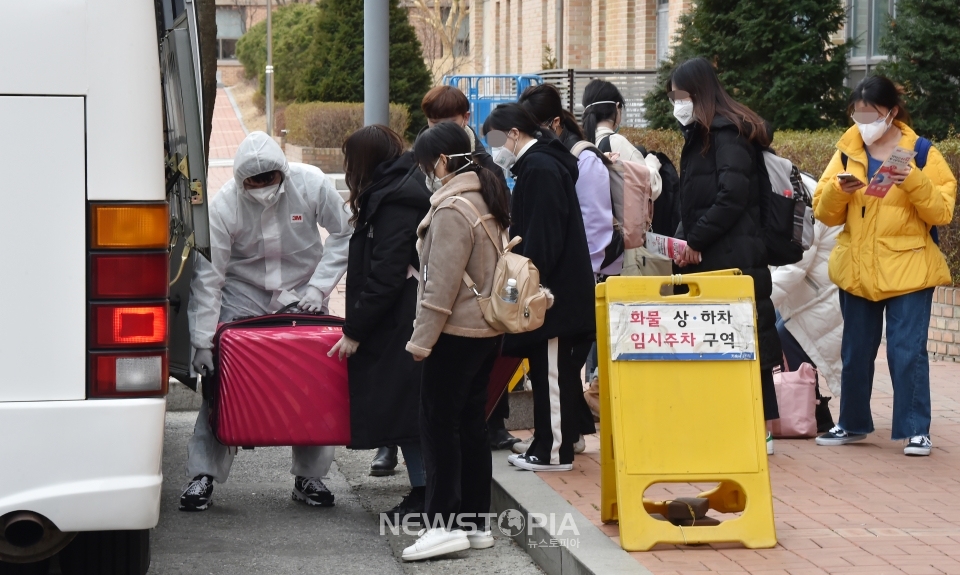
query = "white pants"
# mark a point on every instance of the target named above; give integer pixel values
(207, 456)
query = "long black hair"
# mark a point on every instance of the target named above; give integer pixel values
(880, 91)
(543, 101)
(448, 138)
(363, 151)
(698, 77)
(593, 113)
(506, 117)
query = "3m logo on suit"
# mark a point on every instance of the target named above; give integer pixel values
(296, 218)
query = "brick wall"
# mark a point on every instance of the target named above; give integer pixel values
(944, 334)
(231, 73)
(597, 34)
(330, 160)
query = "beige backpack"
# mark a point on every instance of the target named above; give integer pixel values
(528, 313)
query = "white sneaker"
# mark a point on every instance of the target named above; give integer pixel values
(580, 446)
(480, 539)
(531, 463)
(769, 443)
(513, 457)
(435, 542)
(522, 447)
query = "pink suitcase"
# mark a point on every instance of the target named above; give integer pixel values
(275, 384)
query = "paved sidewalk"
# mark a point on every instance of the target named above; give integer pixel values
(861, 508)
(227, 134)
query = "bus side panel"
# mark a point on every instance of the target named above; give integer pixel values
(85, 465)
(124, 105)
(43, 247)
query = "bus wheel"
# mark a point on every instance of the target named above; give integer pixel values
(107, 553)
(38, 568)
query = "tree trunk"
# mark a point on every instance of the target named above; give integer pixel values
(207, 31)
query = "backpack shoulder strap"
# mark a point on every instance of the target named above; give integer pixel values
(467, 280)
(922, 148)
(580, 146)
(480, 220)
(605, 145)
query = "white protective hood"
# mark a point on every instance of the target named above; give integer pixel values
(263, 257)
(258, 153)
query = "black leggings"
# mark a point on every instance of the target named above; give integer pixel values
(453, 429)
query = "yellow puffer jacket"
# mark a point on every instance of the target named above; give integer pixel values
(885, 248)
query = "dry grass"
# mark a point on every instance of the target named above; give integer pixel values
(253, 117)
(328, 124)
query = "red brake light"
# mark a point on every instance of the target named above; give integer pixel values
(126, 375)
(124, 326)
(140, 276)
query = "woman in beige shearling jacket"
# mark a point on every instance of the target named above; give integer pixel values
(456, 344)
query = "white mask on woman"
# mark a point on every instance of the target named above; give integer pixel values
(874, 130)
(434, 183)
(504, 157)
(683, 111)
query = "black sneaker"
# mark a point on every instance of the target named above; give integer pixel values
(411, 505)
(312, 491)
(198, 495)
(533, 463)
(838, 436)
(918, 445)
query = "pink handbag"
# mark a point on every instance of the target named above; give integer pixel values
(797, 401)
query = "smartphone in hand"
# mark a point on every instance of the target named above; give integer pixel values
(846, 178)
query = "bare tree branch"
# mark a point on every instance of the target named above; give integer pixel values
(441, 23)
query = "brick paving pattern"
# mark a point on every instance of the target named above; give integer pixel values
(860, 508)
(224, 140)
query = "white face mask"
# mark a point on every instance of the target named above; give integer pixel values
(434, 183)
(873, 131)
(266, 196)
(683, 111)
(504, 157)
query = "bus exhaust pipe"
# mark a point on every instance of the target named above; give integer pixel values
(24, 530)
(27, 537)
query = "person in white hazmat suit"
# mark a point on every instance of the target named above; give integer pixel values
(266, 253)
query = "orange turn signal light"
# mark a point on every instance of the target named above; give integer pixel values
(129, 226)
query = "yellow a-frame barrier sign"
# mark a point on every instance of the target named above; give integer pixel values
(681, 403)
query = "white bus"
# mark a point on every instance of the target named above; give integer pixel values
(103, 177)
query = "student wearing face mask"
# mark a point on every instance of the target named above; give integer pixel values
(886, 263)
(449, 104)
(450, 336)
(266, 252)
(387, 200)
(545, 213)
(603, 106)
(720, 197)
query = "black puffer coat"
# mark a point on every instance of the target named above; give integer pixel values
(720, 215)
(545, 212)
(381, 306)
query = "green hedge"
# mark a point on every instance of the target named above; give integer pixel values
(811, 152)
(327, 124)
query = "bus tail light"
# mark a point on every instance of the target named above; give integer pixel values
(138, 276)
(128, 375)
(129, 226)
(129, 326)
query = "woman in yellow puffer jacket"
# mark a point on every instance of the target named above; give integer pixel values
(885, 260)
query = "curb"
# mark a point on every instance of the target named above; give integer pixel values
(595, 554)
